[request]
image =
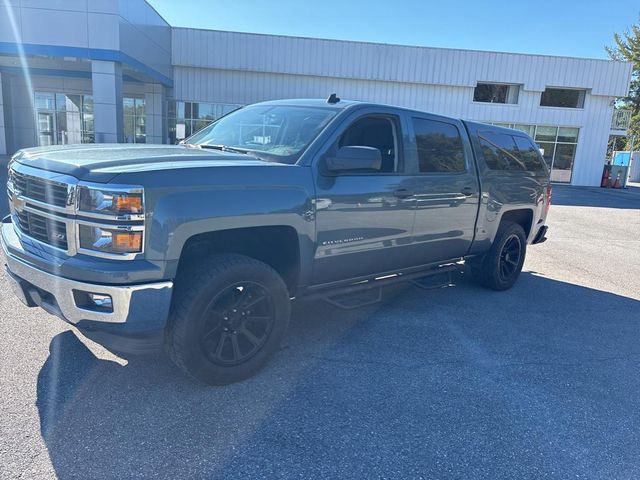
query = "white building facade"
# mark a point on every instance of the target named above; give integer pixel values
(106, 70)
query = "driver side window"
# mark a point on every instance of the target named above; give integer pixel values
(374, 131)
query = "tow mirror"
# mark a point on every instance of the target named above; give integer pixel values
(355, 158)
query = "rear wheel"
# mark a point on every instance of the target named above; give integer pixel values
(229, 315)
(500, 267)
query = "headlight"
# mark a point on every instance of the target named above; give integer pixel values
(15, 157)
(110, 240)
(111, 203)
(10, 185)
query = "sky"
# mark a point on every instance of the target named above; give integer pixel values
(560, 27)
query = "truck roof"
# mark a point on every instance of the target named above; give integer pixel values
(344, 104)
(340, 105)
(313, 102)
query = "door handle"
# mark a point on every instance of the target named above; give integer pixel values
(403, 193)
(468, 191)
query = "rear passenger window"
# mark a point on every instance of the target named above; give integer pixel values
(500, 152)
(439, 146)
(529, 154)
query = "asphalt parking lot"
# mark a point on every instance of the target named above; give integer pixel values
(541, 381)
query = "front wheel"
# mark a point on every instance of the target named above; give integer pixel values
(500, 267)
(229, 315)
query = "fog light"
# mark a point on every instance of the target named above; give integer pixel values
(101, 301)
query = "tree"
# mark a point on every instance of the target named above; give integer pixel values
(626, 48)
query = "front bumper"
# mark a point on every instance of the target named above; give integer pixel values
(136, 309)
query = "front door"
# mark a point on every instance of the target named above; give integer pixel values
(363, 219)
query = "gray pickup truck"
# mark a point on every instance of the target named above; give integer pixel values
(199, 248)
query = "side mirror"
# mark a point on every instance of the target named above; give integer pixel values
(355, 158)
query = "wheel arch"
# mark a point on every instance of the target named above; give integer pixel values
(522, 216)
(276, 245)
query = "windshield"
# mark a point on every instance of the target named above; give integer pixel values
(272, 132)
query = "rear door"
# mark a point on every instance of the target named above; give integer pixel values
(446, 188)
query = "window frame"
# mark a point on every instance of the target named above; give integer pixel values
(505, 104)
(414, 142)
(466, 146)
(554, 142)
(138, 101)
(400, 129)
(481, 136)
(532, 143)
(548, 87)
(84, 114)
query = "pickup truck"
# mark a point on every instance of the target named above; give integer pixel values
(199, 248)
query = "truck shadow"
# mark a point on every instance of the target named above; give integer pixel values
(447, 383)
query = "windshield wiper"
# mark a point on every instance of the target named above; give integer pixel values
(223, 148)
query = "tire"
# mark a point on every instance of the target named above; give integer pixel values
(229, 315)
(498, 269)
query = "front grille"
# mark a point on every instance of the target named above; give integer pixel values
(47, 230)
(39, 189)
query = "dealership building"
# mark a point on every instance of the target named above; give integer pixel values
(74, 71)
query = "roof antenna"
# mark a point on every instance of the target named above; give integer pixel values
(333, 98)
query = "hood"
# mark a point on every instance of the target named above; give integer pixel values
(102, 162)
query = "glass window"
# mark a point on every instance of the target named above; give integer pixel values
(73, 103)
(128, 129)
(200, 124)
(187, 118)
(46, 128)
(69, 128)
(495, 93)
(87, 103)
(568, 135)
(546, 134)
(134, 120)
(64, 119)
(61, 100)
(439, 146)
(183, 109)
(528, 129)
(562, 97)
(564, 156)
(529, 154)
(373, 131)
(563, 162)
(128, 105)
(549, 140)
(267, 131)
(45, 101)
(500, 152)
(139, 107)
(228, 109)
(548, 149)
(204, 111)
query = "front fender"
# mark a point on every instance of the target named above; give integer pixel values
(179, 216)
(191, 201)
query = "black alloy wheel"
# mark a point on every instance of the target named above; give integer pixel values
(237, 323)
(510, 257)
(500, 267)
(228, 316)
